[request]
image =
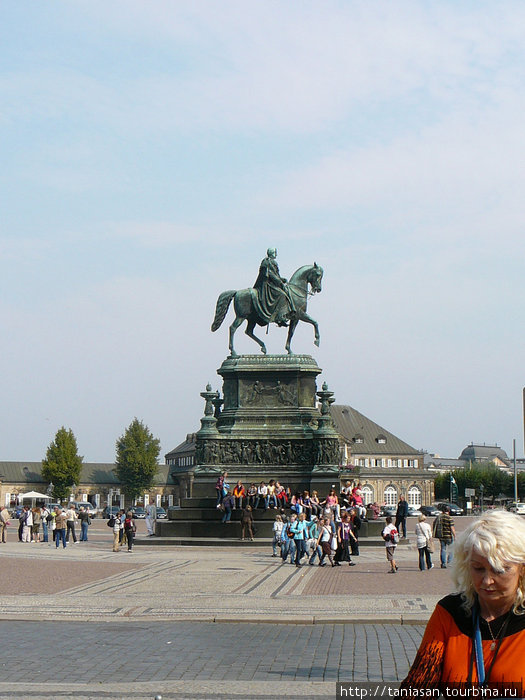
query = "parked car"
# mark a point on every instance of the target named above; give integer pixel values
(138, 512)
(109, 511)
(161, 513)
(454, 508)
(52, 506)
(518, 508)
(430, 511)
(413, 511)
(88, 506)
(388, 510)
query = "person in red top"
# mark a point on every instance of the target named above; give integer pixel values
(477, 636)
(238, 494)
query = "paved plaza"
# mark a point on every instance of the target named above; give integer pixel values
(203, 621)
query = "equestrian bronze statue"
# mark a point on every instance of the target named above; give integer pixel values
(272, 299)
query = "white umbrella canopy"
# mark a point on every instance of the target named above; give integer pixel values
(33, 494)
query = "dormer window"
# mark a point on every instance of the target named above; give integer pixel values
(381, 440)
(358, 439)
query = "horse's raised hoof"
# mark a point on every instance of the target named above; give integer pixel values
(316, 342)
(263, 350)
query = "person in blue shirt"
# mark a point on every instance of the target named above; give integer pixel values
(313, 534)
(287, 543)
(300, 531)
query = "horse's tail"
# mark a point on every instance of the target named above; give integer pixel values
(223, 303)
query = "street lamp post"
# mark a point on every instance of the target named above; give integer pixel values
(481, 489)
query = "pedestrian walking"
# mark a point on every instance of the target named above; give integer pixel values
(391, 537)
(444, 530)
(247, 522)
(277, 530)
(151, 517)
(324, 540)
(424, 542)
(401, 516)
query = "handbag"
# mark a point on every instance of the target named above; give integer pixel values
(430, 544)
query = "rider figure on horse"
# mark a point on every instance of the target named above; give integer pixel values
(274, 302)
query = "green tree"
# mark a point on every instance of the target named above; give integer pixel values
(489, 474)
(137, 459)
(62, 464)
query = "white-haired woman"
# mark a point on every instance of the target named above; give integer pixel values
(477, 636)
(423, 542)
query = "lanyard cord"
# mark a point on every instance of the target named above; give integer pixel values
(477, 649)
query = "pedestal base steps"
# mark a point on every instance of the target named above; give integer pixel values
(200, 518)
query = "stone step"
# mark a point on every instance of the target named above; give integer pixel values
(216, 514)
(234, 542)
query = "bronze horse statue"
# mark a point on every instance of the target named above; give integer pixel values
(245, 305)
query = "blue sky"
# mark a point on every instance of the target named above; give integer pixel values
(152, 151)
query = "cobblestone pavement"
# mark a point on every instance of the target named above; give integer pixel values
(220, 659)
(186, 622)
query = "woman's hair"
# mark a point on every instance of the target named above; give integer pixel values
(278, 518)
(499, 537)
(421, 517)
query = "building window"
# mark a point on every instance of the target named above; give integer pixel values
(390, 496)
(368, 494)
(414, 496)
(412, 463)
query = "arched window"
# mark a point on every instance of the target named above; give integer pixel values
(390, 496)
(368, 494)
(414, 496)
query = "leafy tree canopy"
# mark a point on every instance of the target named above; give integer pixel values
(62, 464)
(495, 481)
(137, 459)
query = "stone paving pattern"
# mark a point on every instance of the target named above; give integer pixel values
(188, 621)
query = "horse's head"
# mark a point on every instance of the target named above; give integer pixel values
(315, 277)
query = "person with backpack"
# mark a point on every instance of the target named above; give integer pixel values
(391, 538)
(300, 532)
(129, 529)
(443, 529)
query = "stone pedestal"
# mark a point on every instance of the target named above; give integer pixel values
(267, 425)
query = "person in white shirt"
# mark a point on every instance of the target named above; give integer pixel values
(27, 524)
(391, 536)
(72, 516)
(151, 516)
(423, 541)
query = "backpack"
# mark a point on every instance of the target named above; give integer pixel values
(437, 527)
(111, 521)
(394, 536)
